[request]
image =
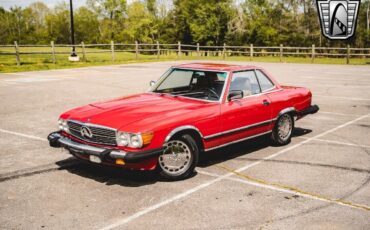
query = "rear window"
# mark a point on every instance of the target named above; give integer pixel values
(264, 81)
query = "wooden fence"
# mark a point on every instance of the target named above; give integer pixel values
(223, 52)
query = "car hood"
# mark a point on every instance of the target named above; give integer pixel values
(146, 109)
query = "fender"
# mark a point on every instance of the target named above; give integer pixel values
(181, 128)
(287, 110)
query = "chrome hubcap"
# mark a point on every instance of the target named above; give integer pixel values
(285, 127)
(176, 158)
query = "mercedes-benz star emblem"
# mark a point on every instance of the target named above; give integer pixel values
(86, 132)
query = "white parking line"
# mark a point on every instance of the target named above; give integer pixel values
(186, 193)
(340, 114)
(23, 135)
(338, 142)
(294, 192)
(336, 79)
(344, 98)
(315, 85)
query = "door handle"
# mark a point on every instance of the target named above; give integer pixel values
(266, 102)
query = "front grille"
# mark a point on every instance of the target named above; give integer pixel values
(100, 135)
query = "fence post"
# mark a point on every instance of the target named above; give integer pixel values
(224, 52)
(17, 53)
(313, 53)
(136, 50)
(158, 50)
(178, 49)
(281, 52)
(251, 52)
(83, 51)
(53, 51)
(348, 53)
(112, 49)
(197, 49)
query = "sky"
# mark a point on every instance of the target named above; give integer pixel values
(50, 3)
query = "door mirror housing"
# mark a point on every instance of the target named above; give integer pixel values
(152, 83)
(235, 95)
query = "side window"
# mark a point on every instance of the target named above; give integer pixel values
(264, 81)
(245, 81)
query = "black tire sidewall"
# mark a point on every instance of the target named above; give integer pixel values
(190, 142)
(275, 132)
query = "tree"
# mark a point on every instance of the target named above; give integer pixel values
(113, 10)
(209, 22)
(58, 25)
(86, 26)
(202, 21)
(139, 24)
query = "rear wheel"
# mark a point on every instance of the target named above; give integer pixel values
(179, 158)
(282, 132)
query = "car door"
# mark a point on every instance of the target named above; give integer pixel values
(248, 116)
(277, 96)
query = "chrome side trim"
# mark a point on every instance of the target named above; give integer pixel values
(240, 140)
(240, 129)
(181, 128)
(286, 110)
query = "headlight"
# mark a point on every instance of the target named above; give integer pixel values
(63, 125)
(123, 139)
(134, 140)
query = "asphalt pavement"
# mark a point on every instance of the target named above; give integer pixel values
(319, 181)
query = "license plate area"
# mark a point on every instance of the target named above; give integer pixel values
(95, 159)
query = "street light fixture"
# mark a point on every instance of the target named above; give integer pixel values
(74, 56)
(367, 20)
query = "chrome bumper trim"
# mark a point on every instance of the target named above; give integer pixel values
(78, 147)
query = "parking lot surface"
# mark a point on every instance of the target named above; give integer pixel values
(319, 181)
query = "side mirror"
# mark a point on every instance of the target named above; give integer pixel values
(152, 83)
(235, 95)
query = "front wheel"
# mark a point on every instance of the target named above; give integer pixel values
(179, 158)
(282, 132)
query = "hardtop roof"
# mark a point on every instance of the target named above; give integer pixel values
(215, 67)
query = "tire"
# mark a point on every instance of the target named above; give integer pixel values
(283, 130)
(178, 166)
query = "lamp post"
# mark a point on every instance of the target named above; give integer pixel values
(367, 20)
(73, 56)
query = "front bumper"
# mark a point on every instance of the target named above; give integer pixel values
(57, 140)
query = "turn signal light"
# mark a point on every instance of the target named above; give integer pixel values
(120, 162)
(147, 137)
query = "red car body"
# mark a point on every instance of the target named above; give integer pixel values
(217, 124)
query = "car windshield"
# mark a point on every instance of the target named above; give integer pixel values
(199, 84)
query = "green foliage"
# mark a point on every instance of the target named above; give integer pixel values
(203, 21)
(86, 26)
(208, 22)
(138, 26)
(58, 29)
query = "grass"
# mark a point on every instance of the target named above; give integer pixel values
(32, 62)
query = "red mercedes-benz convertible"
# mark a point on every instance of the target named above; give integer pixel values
(191, 109)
